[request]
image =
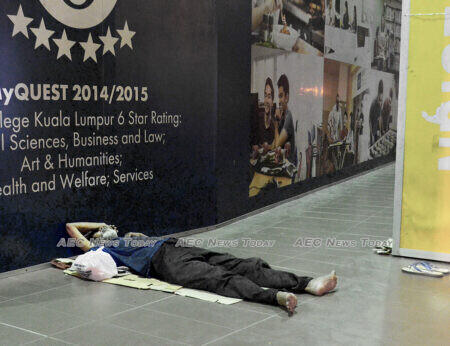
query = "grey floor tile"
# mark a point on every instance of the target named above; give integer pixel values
(363, 212)
(354, 205)
(268, 310)
(221, 315)
(240, 228)
(246, 339)
(381, 219)
(14, 336)
(266, 218)
(49, 341)
(81, 302)
(46, 278)
(333, 216)
(303, 223)
(115, 293)
(301, 331)
(170, 327)
(101, 333)
(11, 288)
(35, 318)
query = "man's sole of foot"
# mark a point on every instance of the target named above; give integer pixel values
(287, 300)
(322, 285)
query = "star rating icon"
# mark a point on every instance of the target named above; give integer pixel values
(64, 44)
(20, 22)
(108, 42)
(42, 35)
(90, 49)
(126, 34)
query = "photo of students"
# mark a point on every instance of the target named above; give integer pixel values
(359, 117)
(286, 90)
(261, 8)
(364, 33)
(290, 25)
(382, 114)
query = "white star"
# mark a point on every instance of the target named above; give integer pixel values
(109, 42)
(20, 22)
(126, 35)
(90, 49)
(42, 35)
(64, 45)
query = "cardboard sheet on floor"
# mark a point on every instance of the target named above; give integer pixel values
(138, 282)
(207, 296)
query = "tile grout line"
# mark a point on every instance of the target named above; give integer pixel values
(187, 318)
(239, 330)
(51, 338)
(23, 329)
(159, 337)
(141, 306)
(32, 294)
(113, 315)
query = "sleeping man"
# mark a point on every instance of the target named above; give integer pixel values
(197, 268)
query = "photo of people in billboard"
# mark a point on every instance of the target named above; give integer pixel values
(287, 107)
(289, 25)
(359, 117)
(364, 32)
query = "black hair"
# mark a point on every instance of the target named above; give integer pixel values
(283, 82)
(380, 87)
(269, 83)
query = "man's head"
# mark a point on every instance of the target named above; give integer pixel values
(283, 92)
(380, 91)
(269, 94)
(106, 232)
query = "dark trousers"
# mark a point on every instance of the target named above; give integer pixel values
(222, 273)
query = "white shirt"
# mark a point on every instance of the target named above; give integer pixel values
(350, 140)
(335, 123)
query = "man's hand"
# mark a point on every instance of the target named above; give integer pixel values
(75, 230)
(278, 114)
(134, 234)
(85, 227)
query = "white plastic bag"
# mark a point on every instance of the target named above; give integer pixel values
(95, 265)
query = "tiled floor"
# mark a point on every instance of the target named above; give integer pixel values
(375, 304)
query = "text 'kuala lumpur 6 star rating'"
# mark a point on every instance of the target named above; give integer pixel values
(44, 36)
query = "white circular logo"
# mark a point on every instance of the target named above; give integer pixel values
(79, 14)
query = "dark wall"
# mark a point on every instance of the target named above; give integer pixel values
(174, 55)
(194, 58)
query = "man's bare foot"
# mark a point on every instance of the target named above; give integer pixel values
(323, 284)
(287, 300)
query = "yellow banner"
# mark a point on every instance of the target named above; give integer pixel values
(426, 181)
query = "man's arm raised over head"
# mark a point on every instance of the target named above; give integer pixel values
(77, 229)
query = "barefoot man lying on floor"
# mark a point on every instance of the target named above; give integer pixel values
(197, 268)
